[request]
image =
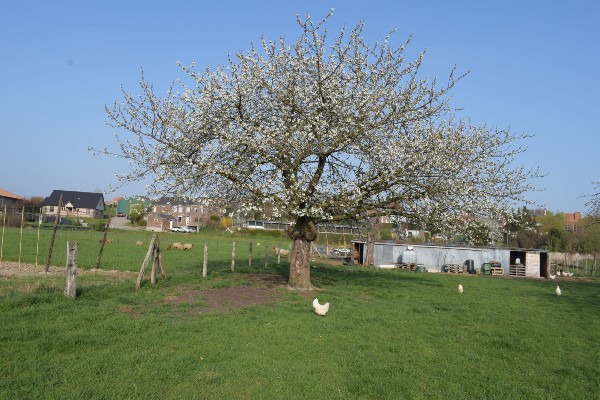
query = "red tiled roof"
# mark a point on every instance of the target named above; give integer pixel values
(6, 193)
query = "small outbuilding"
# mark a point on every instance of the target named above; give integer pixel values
(532, 263)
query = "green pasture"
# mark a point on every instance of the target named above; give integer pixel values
(389, 334)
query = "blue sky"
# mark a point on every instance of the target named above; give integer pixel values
(533, 66)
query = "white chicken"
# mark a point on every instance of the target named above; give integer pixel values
(558, 291)
(320, 309)
(552, 276)
(460, 288)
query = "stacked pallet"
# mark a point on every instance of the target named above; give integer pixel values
(516, 270)
(456, 268)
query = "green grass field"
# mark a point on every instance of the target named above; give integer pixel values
(389, 334)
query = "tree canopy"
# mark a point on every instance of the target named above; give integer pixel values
(321, 130)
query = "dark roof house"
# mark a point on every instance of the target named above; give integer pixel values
(75, 203)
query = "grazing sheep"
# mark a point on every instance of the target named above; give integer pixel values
(139, 243)
(105, 241)
(108, 241)
(277, 250)
(178, 246)
(169, 246)
(188, 246)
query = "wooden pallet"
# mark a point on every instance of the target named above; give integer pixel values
(516, 270)
(497, 271)
(409, 266)
(456, 268)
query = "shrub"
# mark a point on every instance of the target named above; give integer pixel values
(98, 225)
(226, 222)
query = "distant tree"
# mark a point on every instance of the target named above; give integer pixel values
(522, 230)
(136, 215)
(322, 131)
(35, 201)
(550, 221)
(591, 239)
(555, 240)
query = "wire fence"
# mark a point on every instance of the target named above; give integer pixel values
(126, 249)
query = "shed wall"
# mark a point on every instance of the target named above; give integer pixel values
(434, 258)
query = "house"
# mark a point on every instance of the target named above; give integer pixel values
(572, 221)
(168, 213)
(8, 200)
(75, 204)
(114, 201)
(159, 222)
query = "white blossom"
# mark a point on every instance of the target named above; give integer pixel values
(324, 130)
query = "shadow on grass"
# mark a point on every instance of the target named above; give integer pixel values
(369, 277)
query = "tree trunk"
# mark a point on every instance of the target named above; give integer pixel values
(303, 232)
(300, 265)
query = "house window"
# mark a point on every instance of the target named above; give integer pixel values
(51, 208)
(179, 219)
(187, 220)
(195, 209)
(187, 209)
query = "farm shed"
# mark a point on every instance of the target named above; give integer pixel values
(434, 258)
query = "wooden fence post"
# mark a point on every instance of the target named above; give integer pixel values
(37, 246)
(60, 200)
(103, 242)
(3, 225)
(71, 289)
(151, 252)
(266, 255)
(250, 256)
(205, 261)
(21, 237)
(279, 253)
(233, 257)
(155, 260)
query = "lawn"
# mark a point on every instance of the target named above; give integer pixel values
(389, 334)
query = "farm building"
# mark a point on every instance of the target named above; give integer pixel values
(434, 258)
(126, 204)
(8, 199)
